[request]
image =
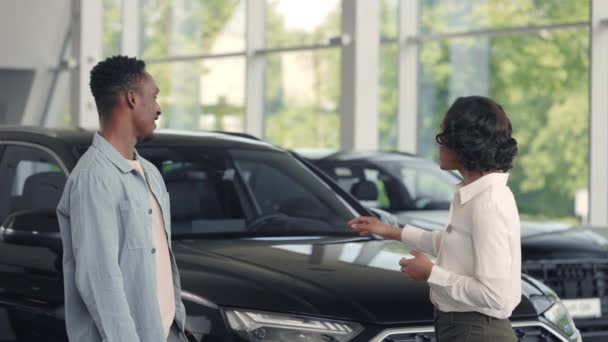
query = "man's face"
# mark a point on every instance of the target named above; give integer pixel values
(147, 109)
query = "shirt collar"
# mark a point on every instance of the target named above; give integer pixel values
(112, 154)
(467, 192)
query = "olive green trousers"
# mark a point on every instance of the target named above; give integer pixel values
(472, 327)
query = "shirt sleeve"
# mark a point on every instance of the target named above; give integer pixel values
(489, 288)
(95, 243)
(428, 241)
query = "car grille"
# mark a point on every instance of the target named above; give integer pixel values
(572, 279)
(525, 332)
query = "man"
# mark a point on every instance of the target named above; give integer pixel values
(121, 280)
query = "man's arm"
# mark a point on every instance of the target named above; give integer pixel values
(95, 242)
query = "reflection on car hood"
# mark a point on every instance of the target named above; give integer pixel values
(346, 279)
(548, 240)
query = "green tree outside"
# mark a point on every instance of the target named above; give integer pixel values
(540, 79)
(542, 82)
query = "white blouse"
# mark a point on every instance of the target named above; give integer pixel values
(478, 266)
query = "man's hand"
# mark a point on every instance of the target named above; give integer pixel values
(366, 225)
(418, 268)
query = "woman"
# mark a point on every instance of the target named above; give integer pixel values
(475, 281)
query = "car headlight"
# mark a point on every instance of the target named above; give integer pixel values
(270, 327)
(559, 316)
(552, 309)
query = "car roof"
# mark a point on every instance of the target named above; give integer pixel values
(368, 156)
(162, 137)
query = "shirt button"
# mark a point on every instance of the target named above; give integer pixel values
(153, 250)
(149, 211)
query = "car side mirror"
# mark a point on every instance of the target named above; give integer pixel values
(39, 228)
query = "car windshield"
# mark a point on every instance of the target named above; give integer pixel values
(246, 192)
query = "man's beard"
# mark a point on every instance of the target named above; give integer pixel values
(145, 139)
(143, 136)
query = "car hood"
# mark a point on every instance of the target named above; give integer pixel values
(351, 279)
(540, 240)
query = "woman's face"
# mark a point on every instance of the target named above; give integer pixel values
(447, 157)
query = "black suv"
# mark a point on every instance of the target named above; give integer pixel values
(573, 262)
(260, 238)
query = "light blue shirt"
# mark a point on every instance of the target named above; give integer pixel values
(108, 254)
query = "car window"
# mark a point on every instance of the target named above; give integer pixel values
(202, 192)
(31, 179)
(399, 185)
(280, 184)
(427, 186)
(220, 191)
(366, 183)
(428, 189)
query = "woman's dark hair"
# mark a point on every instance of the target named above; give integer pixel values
(113, 76)
(478, 131)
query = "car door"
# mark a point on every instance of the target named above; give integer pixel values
(31, 284)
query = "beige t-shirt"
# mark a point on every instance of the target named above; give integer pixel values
(164, 277)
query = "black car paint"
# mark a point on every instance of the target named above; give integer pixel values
(259, 274)
(547, 247)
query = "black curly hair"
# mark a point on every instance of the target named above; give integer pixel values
(478, 131)
(113, 76)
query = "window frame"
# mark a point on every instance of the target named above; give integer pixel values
(6, 144)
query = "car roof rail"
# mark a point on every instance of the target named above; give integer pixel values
(409, 154)
(332, 155)
(27, 129)
(239, 134)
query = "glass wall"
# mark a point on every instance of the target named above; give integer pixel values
(205, 94)
(389, 53)
(539, 76)
(297, 22)
(302, 73)
(112, 27)
(191, 27)
(302, 98)
(183, 42)
(530, 56)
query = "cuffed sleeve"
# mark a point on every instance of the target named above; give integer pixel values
(95, 243)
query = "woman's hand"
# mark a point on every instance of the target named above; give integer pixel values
(419, 267)
(366, 225)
